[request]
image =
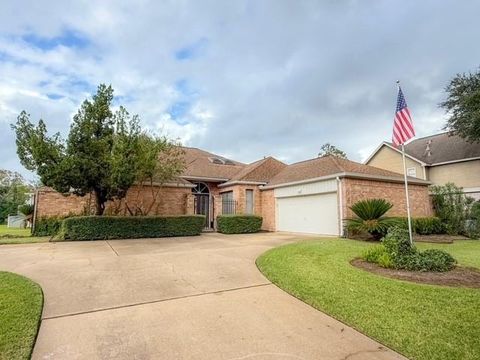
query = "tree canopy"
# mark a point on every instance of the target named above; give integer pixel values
(103, 154)
(463, 105)
(13, 193)
(328, 149)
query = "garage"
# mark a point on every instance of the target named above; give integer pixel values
(309, 208)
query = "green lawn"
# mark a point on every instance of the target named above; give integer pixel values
(19, 236)
(21, 302)
(5, 231)
(419, 321)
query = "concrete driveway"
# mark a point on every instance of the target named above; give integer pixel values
(177, 298)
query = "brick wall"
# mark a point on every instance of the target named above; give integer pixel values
(52, 203)
(162, 201)
(148, 200)
(239, 196)
(354, 190)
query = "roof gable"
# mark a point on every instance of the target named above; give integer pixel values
(259, 171)
(326, 166)
(201, 163)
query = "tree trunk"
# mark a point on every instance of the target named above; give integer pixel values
(99, 204)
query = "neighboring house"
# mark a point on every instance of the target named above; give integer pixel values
(312, 196)
(438, 158)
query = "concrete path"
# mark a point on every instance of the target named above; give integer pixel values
(177, 298)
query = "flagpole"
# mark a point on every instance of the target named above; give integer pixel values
(409, 219)
(406, 195)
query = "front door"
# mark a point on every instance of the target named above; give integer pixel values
(202, 201)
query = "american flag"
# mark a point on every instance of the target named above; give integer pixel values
(402, 124)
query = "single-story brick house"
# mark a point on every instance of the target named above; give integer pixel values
(312, 196)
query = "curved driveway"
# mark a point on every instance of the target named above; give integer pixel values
(177, 298)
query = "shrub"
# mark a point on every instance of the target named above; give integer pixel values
(26, 209)
(47, 226)
(397, 243)
(428, 260)
(451, 205)
(239, 224)
(378, 255)
(370, 217)
(428, 226)
(130, 227)
(423, 225)
(373, 253)
(400, 254)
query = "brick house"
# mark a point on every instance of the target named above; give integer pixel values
(311, 196)
(437, 158)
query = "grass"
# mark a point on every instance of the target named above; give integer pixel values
(19, 236)
(419, 321)
(21, 302)
(6, 231)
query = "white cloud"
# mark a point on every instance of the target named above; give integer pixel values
(272, 78)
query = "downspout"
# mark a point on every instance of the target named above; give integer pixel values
(35, 207)
(340, 199)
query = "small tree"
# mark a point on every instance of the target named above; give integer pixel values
(371, 217)
(159, 161)
(100, 156)
(463, 104)
(328, 149)
(452, 206)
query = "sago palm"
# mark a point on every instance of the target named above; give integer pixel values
(370, 217)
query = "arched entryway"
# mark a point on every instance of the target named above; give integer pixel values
(202, 201)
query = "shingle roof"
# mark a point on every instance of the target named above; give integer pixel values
(259, 171)
(442, 148)
(199, 164)
(325, 166)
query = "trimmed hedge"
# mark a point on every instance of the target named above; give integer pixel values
(130, 227)
(424, 225)
(47, 226)
(239, 224)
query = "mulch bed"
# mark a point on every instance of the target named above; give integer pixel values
(436, 239)
(458, 277)
(439, 239)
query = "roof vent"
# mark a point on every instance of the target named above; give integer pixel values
(217, 161)
(221, 161)
(428, 152)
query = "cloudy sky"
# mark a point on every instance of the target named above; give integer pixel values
(243, 79)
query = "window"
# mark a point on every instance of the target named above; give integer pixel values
(412, 172)
(228, 204)
(249, 201)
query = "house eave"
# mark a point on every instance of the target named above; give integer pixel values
(241, 182)
(203, 178)
(455, 161)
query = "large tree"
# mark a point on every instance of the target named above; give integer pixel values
(328, 149)
(463, 105)
(100, 155)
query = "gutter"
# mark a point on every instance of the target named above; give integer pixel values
(340, 205)
(242, 182)
(351, 175)
(456, 161)
(202, 178)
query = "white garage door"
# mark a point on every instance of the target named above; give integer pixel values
(316, 214)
